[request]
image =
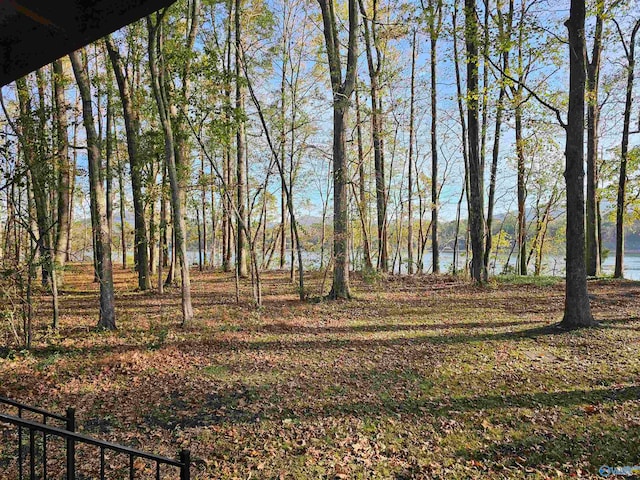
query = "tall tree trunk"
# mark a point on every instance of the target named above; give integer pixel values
(123, 231)
(153, 225)
(241, 165)
(505, 36)
(163, 101)
(283, 141)
(522, 190)
(31, 143)
(519, 100)
(435, 23)
(214, 223)
(476, 174)
(49, 175)
(621, 203)
(593, 114)
(465, 139)
(577, 311)
(412, 109)
(109, 148)
(131, 123)
(163, 247)
(203, 204)
(107, 301)
(375, 68)
(342, 91)
(64, 168)
(72, 186)
(227, 230)
(362, 195)
(199, 229)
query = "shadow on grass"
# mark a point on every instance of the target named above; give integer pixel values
(237, 406)
(284, 328)
(222, 346)
(328, 343)
(621, 323)
(612, 445)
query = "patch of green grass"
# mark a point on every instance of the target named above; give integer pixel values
(215, 370)
(536, 281)
(230, 327)
(48, 361)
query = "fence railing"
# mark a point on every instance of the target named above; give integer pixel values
(72, 438)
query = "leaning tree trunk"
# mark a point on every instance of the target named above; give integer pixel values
(577, 311)
(107, 319)
(161, 94)
(131, 127)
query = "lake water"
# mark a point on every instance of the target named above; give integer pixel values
(551, 265)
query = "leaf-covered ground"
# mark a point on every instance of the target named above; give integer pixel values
(415, 378)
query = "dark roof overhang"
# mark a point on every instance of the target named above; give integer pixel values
(34, 33)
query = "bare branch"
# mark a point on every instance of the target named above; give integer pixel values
(531, 92)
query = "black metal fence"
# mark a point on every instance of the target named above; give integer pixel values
(44, 431)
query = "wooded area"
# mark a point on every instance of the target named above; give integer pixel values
(306, 166)
(206, 122)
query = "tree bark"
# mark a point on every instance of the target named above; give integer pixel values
(123, 231)
(465, 139)
(131, 123)
(412, 106)
(241, 164)
(476, 174)
(362, 194)
(227, 207)
(161, 93)
(577, 311)
(621, 203)
(64, 168)
(31, 142)
(435, 23)
(505, 36)
(593, 114)
(107, 319)
(342, 91)
(522, 191)
(375, 68)
(203, 204)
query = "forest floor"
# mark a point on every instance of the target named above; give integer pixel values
(423, 377)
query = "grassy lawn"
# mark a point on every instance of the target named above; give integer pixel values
(415, 378)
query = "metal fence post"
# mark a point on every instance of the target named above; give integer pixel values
(185, 470)
(71, 445)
